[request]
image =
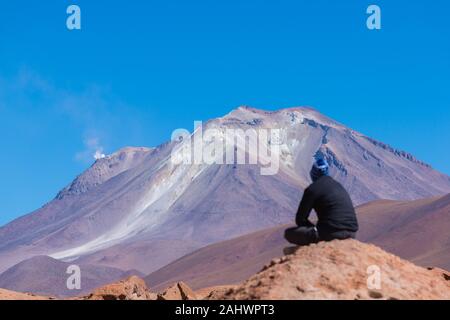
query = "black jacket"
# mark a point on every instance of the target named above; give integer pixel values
(332, 203)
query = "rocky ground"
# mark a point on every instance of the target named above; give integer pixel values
(342, 270)
(132, 288)
(346, 269)
(13, 295)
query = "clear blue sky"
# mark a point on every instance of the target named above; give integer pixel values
(139, 69)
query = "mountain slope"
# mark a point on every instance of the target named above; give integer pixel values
(414, 230)
(139, 196)
(43, 275)
(227, 262)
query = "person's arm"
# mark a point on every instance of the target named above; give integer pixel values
(306, 205)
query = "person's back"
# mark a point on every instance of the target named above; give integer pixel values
(334, 208)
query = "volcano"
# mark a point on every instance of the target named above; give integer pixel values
(137, 209)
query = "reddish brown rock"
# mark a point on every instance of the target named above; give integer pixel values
(13, 295)
(132, 288)
(440, 273)
(178, 291)
(214, 293)
(340, 270)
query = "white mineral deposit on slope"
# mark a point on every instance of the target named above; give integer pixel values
(140, 220)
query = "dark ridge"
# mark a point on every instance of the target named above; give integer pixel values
(397, 152)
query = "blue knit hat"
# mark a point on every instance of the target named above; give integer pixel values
(319, 169)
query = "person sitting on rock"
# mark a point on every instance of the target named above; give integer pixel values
(333, 206)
